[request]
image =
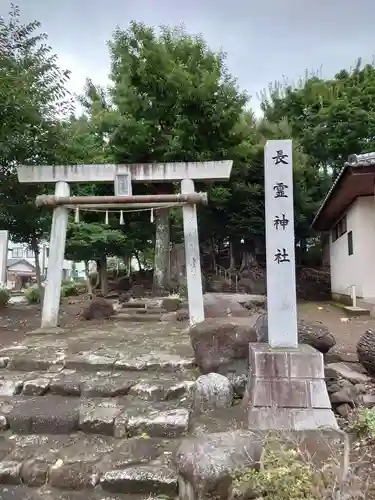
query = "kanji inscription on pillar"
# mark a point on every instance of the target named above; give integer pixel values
(281, 274)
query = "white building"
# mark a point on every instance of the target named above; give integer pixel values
(21, 269)
(347, 213)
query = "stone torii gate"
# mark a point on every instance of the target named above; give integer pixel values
(122, 176)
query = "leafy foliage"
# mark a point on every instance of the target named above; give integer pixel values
(171, 99)
(32, 95)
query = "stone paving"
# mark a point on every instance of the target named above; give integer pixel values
(95, 413)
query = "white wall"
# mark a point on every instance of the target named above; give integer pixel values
(357, 269)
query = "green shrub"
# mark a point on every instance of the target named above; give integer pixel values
(4, 297)
(363, 423)
(69, 289)
(33, 295)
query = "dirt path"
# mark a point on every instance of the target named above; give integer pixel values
(346, 331)
(18, 319)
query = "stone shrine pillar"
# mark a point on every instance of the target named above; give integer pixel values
(3, 256)
(286, 387)
(52, 292)
(192, 257)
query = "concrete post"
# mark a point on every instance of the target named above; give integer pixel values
(192, 256)
(3, 256)
(51, 302)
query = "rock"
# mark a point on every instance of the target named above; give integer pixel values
(36, 387)
(222, 307)
(205, 464)
(218, 344)
(171, 304)
(336, 355)
(182, 315)
(239, 383)
(168, 423)
(348, 373)
(10, 387)
(361, 388)
(163, 391)
(4, 362)
(10, 473)
(171, 316)
(337, 385)
(368, 400)
(211, 392)
(3, 423)
(109, 387)
(343, 410)
(44, 415)
(314, 334)
(66, 384)
(99, 420)
(347, 395)
(98, 308)
(73, 476)
(154, 479)
(34, 472)
(366, 351)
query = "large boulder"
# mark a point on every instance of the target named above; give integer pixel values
(314, 334)
(219, 344)
(98, 308)
(366, 351)
(220, 306)
(211, 392)
(206, 464)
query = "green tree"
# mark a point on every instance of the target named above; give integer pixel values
(331, 118)
(90, 241)
(173, 99)
(32, 95)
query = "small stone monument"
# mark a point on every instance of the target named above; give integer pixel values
(286, 386)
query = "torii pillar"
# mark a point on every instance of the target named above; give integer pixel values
(63, 175)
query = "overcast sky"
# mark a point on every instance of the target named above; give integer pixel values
(264, 39)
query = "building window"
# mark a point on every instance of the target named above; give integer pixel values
(30, 253)
(342, 228)
(350, 243)
(17, 253)
(339, 229)
(335, 233)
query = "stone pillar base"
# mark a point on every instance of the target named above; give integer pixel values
(286, 389)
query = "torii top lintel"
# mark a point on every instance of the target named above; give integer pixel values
(139, 172)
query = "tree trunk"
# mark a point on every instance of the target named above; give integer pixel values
(232, 264)
(136, 255)
(213, 254)
(35, 249)
(162, 254)
(104, 275)
(88, 280)
(98, 272)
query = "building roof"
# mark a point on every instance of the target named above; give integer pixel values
(13, 262)
(356, 178)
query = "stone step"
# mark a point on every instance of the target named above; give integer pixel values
(117, 417)
(140, 304)
(142, 310)
(47, 493)
(150, 317)
(93, 465)
(103, 384)
(34, 361)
